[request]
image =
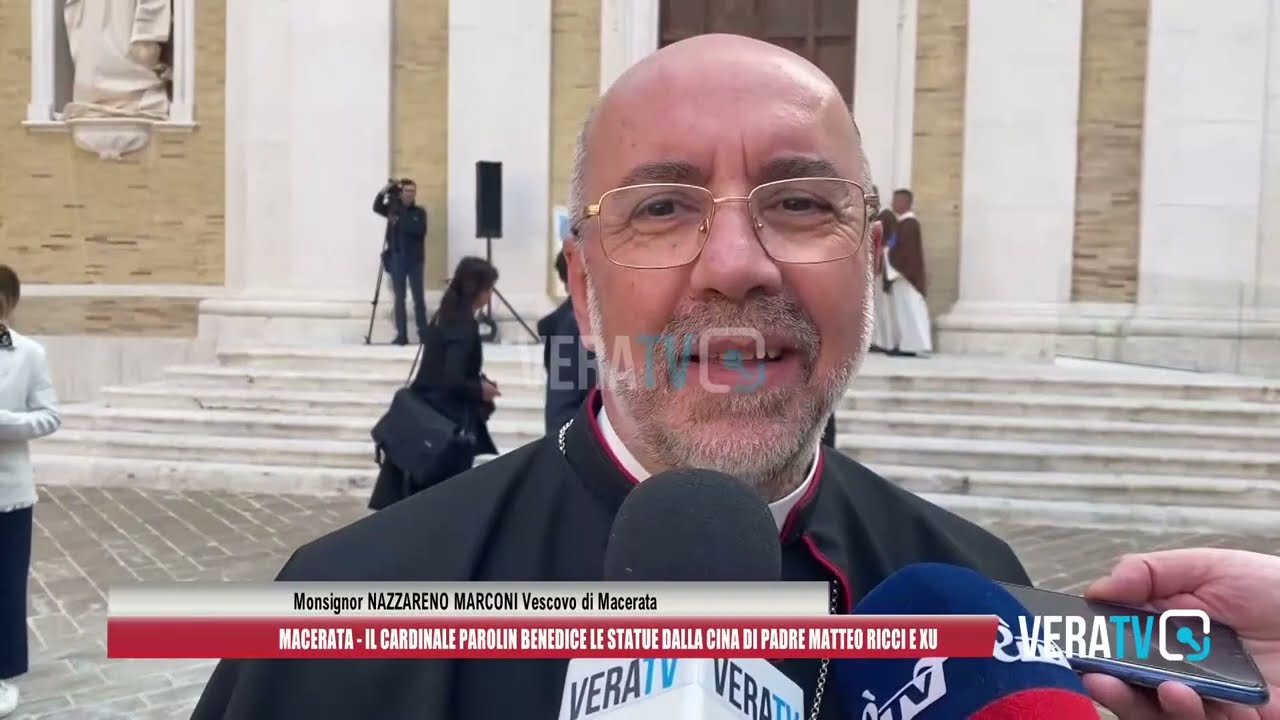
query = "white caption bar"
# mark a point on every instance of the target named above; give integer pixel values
(273, 600)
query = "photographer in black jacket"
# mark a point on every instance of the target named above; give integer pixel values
(404, 252)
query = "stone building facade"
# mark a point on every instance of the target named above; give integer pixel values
(1095, 178)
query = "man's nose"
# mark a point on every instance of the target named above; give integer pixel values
(733, 263)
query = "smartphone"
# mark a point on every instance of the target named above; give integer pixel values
(1227, 673)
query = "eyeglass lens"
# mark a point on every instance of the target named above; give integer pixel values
(807, 220)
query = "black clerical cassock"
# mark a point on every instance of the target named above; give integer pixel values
(543, 513)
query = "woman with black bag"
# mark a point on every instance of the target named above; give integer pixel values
(447, 406)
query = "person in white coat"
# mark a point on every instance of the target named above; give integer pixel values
(28, 410)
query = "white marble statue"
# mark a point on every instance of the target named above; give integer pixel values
(115, 49)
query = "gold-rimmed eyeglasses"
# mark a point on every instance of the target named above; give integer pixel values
(666, 225)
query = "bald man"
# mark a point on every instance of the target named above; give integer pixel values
(719, 205)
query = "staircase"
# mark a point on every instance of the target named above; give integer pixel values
(1079, 443)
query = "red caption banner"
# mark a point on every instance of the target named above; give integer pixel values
(836, 636)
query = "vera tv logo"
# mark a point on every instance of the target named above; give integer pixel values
(751, 688)
(1184, 634)
(1179, 635)
(619, 684)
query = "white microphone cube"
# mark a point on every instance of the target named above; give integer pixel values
(678, 689)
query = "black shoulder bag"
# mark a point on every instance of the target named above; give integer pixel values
(416, 446)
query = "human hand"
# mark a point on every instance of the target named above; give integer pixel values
(1236, 588)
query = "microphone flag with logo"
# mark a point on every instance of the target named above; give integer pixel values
(1005, 686)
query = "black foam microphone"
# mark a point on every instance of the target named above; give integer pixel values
(697, 525)
(687, 525)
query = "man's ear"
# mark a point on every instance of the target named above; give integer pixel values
(576, 258)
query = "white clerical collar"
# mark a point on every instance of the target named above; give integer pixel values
(780, 509)
(908, 215)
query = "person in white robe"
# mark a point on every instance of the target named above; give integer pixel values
(904, 273)
(882, 338)
(116, 48)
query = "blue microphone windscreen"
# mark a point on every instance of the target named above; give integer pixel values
(954, 687)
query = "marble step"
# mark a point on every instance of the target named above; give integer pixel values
(1136, 489)
(513, 426)
(527, 383)
(1090, 385)
(1091, 514)
(383, 358)
(941, 374)
(290, 402)
(1128, 409)
(53, 468)
(967, 454)
(1061, 431)
(1133, 501)
(528, 406)
(386, 384)
(229, 438)
(508, 434)
(225, 449)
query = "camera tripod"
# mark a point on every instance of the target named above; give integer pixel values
(486, 317)
(390, 197)
(377, 291)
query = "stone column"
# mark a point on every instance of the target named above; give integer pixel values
(1018, 208)
(308, 88)
(1267, 276)
(1203, 144)
(44, 30)
(884, 88)
(1260, 348)
(1210, 245)
(500, 110)
(628, 32)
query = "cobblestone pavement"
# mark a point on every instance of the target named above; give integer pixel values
(88, 539)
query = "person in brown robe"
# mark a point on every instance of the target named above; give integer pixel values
(905, 276)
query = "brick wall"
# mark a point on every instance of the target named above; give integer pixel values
(575, 86)
(938, 152)
(420, 118)
(155, 217)
(155, 317)
(1109, 176)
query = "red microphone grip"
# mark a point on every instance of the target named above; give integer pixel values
(1039, 704)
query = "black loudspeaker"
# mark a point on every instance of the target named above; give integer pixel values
(488, 199)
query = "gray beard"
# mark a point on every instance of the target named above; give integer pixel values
(775, 465)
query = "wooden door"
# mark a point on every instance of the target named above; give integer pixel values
(822, 31)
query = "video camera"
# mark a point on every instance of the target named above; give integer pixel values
(395, 203)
